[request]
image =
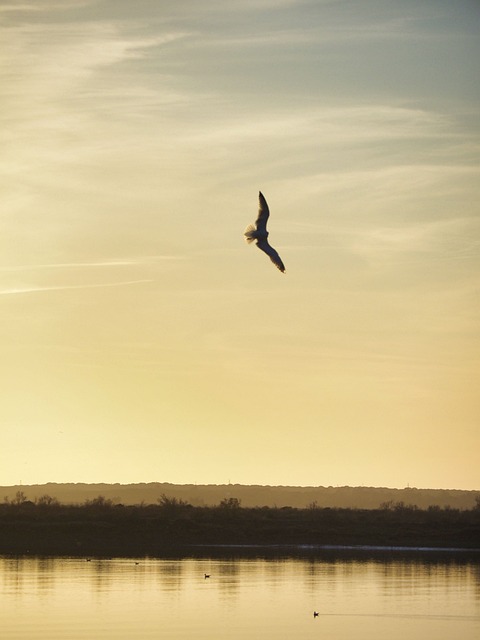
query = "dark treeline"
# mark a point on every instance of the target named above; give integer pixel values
(100, 526)
(202, 495)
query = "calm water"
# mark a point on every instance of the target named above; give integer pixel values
(72, 598)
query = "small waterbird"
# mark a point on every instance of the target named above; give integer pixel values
(206, 575)
(315, 614)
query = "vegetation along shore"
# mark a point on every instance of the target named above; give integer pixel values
(101, 526)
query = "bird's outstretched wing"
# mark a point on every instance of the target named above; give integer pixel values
(271, 253)
(263, 213)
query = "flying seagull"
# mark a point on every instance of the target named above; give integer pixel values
(259, 233)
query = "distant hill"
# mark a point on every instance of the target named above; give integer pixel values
(249, 495)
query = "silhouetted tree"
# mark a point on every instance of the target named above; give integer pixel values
(20, 498)
(230, 503)
(46, 501)
(99, 502)
(401, 506)
(387, 505)
(172, 504)
(433, 508)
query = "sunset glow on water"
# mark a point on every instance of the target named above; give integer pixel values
(79, 598)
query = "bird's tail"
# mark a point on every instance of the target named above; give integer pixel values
(249, 233)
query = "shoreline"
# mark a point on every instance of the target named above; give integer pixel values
(102, 528)
(321, 553)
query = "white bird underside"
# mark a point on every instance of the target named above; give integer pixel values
(258, 233)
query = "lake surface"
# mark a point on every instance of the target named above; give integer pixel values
(255, 598)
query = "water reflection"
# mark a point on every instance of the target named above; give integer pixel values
(244, 597)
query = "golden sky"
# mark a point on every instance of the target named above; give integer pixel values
(141, 339)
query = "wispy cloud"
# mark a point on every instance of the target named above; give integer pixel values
(266, 38)
(53, 52)
(34, 289)
(429, 236)
(144, 260)
(62, 265)
(46, 5)
(59, 102)
(380, 185)
(338, 125)
(56, 74)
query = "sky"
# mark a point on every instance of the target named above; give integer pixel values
(142, 340)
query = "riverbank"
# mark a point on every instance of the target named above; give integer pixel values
(101, 527)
